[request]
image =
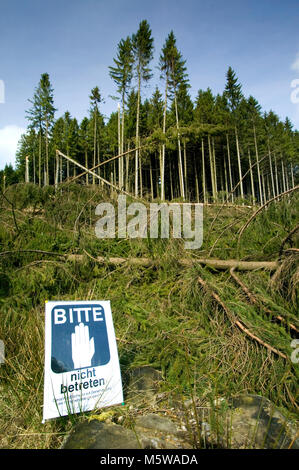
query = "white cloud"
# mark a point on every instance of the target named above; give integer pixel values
(9, 137)
(295, 64)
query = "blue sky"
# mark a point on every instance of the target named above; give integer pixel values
(75, 42)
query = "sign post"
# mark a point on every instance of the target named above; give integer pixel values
(82, 369)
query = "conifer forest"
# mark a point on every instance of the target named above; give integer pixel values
(209, 326)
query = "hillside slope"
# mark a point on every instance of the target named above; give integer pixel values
(181, 319)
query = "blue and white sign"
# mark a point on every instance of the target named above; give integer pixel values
(81, 360)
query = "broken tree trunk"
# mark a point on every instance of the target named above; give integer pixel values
(235, 321)
(213, 263)
(147, 262)
(253, 300)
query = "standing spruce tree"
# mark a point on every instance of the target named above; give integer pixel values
(165, 69)
(177, 78)
(26, 149)
(121, 74)
(95, 99)
(254, 111)
(41, 116)
(185, 111)
(67, 138)
(154, 122)
(83, 142)
(234, 96)
(142, 43)
(34, 116)
(58, 143)
(203, 115)
(48, 112)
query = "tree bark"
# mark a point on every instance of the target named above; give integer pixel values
(239, 163)
(258, 167)
(137, 136)
(229, 168)
(203, 172)
(181, 176)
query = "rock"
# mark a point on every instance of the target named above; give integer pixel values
(257, 421)
(155, 422)
(159, 432)
(243, 422)
(252, 421)
(150, 432)
(143, 385)
(97, 435)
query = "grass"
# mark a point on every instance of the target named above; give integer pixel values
(162, 316)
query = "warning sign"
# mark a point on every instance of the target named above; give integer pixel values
(81, 360)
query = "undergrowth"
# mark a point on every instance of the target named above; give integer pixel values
(162, 316)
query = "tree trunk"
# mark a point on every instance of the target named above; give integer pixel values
(271, 171)
(162, 157)
(212, 169)
(47, 154)
(137, 136)
(276, 175)
(292, 177)
(57, 171)
(181, 176)
(27, 169)
(287, 177)
(171, 184)
(127, 170)
(123, 140)
(283, 176)
(94, 145)
(196, 183)
(204, 190)
(86, 166)
(140, 176)
(251, 178)
(185, 170)
(225, 177)
(34, 170)
(119, 147)
(151, 181)
(40, 159)
(229, 169)
(264, 189)
(239, 163)
(258, 167)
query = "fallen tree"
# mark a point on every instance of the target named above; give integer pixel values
(235, 321)
(210, 262)
(253, 300)
(147, 262)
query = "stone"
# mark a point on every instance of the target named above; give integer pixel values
(253, 421)
(155, 422)
(243, 422)
(97, 435)
(142, 386)
(159, 432)
(150, 432)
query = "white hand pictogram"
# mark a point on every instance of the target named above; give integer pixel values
(82, 347)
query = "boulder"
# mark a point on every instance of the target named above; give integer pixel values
(242, 422)
(257, 423)
(97, 435)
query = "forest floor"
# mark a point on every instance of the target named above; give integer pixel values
(180, 319)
